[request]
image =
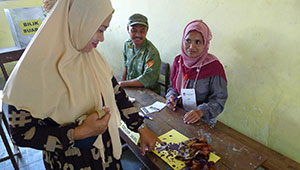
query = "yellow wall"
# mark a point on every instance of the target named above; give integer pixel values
(256, 40)
(6, 39)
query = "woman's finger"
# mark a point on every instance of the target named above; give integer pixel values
(186, 115)
(105, 118)
(107, 109)
(192, 120)
(143, 148)
(151, 146)
(159, 141)
(192, 117)
(187, 119)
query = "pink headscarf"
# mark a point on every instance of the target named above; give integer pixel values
(204, 58)
(193, 62)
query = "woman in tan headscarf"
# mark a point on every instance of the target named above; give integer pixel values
(62, 78)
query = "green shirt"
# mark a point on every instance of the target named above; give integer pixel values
(143, 64)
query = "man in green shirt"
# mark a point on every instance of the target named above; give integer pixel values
(141, 58)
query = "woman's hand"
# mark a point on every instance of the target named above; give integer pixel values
(148, 140)
(192, 116)
(92, 126)
(171, 103)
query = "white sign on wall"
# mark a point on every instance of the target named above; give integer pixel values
(23, 23)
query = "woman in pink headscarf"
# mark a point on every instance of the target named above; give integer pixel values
(199, 82)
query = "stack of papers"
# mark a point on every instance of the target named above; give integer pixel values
(155, 107)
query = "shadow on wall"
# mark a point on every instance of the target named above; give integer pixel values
(263, 89)
(255, 83)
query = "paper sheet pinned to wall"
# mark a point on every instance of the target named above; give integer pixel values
(174, 136)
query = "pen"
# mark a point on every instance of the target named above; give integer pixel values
(144, 116)
(147, 117)
(176, 98)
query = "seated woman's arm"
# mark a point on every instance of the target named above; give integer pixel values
(46, 134)
(216, 99)
(170, 98)
(171, 91)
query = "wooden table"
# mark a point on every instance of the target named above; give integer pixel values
(236, 150)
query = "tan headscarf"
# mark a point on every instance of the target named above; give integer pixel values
(55, 79)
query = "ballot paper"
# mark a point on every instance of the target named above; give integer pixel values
(133, 136)
(155, 107)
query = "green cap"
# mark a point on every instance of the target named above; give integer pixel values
(138, 19)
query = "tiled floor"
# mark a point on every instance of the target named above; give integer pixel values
(31, 159)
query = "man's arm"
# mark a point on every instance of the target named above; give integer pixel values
(151, 69)
(124, 74)
(131, 83)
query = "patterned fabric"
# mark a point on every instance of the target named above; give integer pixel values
(57, 141)
(143, 64)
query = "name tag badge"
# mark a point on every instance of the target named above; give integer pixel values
(188, 99)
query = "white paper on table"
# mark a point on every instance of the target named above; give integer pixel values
(155, 107)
